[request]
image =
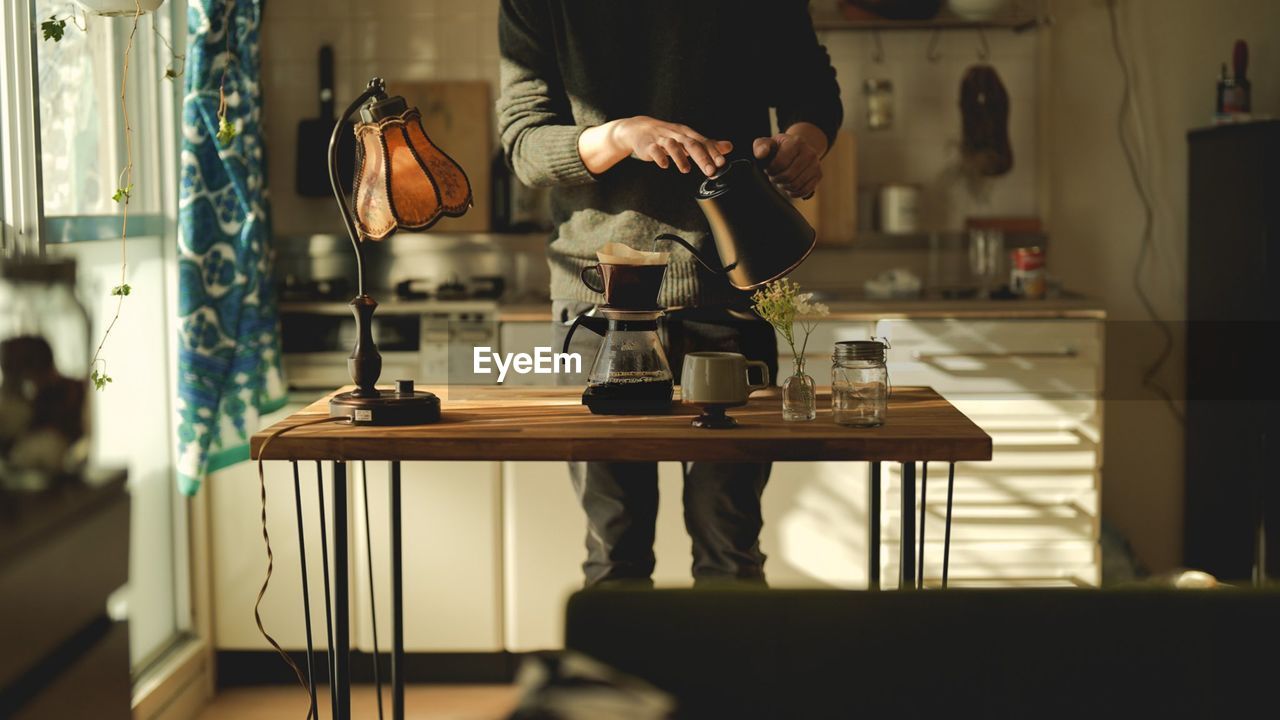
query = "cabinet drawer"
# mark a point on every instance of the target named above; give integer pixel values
(991, 375)
(1075, 490)
(1028, 339)
(978, 522)
(1065, 564)
(1056, 358)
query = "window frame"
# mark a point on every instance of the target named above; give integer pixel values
(21, 182)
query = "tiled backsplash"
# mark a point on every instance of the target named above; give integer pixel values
(405, 40)
(457, 40)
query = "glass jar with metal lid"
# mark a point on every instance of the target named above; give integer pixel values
(859, 383)
(44, 372)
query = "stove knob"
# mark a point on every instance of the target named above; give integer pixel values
(404, 387)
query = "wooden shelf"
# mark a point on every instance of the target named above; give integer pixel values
(1017, 22)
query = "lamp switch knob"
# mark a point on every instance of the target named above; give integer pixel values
(404, 387)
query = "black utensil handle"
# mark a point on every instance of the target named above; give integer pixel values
(326, 83)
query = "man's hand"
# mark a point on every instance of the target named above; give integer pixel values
(651, 140)
(796, 166)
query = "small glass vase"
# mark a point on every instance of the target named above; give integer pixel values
(799, 395)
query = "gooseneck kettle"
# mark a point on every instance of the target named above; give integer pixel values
(759, 235)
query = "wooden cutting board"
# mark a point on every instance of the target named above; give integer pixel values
(833, 209)
(457, 115)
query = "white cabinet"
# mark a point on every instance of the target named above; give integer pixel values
(1031, 515)
(452, 544)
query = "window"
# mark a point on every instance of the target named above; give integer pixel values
(82, 127)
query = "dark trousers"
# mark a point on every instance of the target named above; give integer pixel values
(721, 500)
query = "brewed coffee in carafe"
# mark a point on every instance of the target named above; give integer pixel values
(630, 374)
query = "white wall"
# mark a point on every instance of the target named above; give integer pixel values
(1096, 216)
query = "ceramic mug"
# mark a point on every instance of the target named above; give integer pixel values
(719, 378)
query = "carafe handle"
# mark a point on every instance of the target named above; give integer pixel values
(589, 322)
(764, 376)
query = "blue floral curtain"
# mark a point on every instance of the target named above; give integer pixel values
(229, 371)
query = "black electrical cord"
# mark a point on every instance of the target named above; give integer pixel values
(1150, 372)
(266, 537)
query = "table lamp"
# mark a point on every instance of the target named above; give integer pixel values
(403, 181)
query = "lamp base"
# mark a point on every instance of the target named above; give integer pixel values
(389, 408)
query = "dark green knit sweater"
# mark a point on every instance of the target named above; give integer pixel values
(717, 66)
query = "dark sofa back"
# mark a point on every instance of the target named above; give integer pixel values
(965, 653)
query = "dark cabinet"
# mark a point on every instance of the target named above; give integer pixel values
(1233, 315)
(62, 553)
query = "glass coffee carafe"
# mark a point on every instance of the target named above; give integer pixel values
(630, 374)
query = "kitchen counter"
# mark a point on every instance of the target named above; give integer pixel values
(1075, 307)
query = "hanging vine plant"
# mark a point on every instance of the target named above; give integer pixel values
(54, 29)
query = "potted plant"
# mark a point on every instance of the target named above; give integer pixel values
(112, 8)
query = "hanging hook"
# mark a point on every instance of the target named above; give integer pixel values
(932, 54)
(877, 55)
(984, 50)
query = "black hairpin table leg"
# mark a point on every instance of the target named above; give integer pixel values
(946, 538)
(373, 600)
(341, 596)
(328, 595)
(873, 529)
(907, 516)
(924, 492)
(306, 593)
(397, 599)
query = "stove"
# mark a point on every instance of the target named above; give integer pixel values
(430, 340)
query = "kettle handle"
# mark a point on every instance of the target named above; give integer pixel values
(692, 251)
(583, 320)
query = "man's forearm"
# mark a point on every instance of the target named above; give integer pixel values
(811, 134)
(598, 150)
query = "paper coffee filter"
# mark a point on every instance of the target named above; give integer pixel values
(616, 253)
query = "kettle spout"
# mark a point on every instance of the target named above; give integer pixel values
(694, 252)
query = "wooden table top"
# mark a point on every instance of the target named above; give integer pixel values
(492, 423)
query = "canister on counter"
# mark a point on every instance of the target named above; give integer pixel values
(899, 208)
(1027, 275)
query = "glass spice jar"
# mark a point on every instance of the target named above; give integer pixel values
(859, 383)
(879, 97)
